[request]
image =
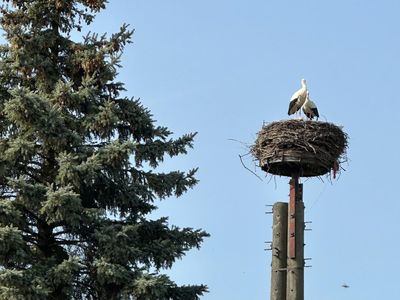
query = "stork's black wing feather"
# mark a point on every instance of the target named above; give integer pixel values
(292, 105)
(315, 112)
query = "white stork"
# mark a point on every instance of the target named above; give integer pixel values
(298, 98)
(309, 108)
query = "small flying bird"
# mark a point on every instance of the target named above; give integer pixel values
(298, 98)
(344, 285)
(309, 108)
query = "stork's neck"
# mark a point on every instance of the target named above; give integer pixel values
(303, 85)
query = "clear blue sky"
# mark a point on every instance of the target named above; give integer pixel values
(222, 68)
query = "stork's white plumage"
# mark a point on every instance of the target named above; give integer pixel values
(298, 98)
(309, 108)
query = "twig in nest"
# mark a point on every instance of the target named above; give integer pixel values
(240, 142)
(241, 160)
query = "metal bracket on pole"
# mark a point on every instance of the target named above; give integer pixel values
(305, 226)
(269, 246)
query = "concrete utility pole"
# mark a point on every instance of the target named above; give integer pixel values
(296, 149)
(279, 251)
(295, 254)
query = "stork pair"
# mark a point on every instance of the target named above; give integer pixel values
(301, 99)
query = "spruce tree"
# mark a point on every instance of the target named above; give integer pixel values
(78, 160)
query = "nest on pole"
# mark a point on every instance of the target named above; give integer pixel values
(298, 147)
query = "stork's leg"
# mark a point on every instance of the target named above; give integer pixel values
(300, 116)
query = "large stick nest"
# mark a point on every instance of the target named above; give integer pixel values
(298, 147)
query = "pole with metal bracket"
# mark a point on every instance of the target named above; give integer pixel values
(295, 254)
(279, 251)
